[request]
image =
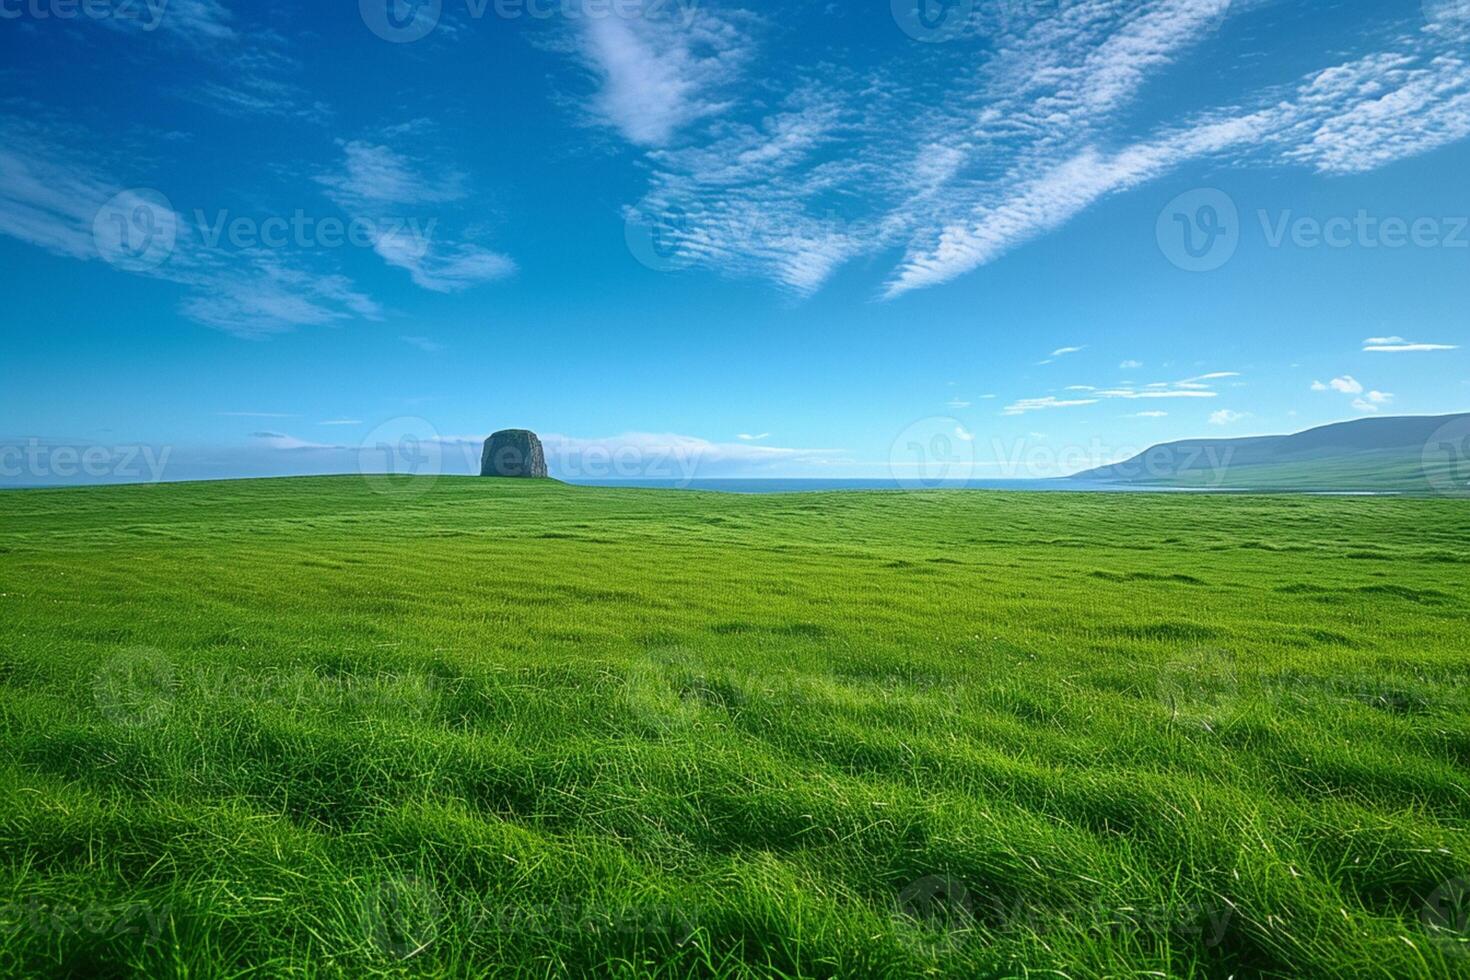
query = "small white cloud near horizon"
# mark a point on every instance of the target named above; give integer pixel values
(341, 422)
(1149, 415)
(1372, 401)
(1398, 345)
(1130, 365)
(1347, 385)
(964, 434)
(958, 403)
(747, 437)
(1227, 416)
(1364, 400)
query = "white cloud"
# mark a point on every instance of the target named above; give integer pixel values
(1227, 417)
(1199, 387)
(341, 422)
(747, 437)
(1398, 345)
(1365, 400)
(1030, 135)
(964, 434)
(659, 74)
(1130, 365)
(1347, 385)
(376, 174)
(1372, 401)
(1149, 415)
(1025, 405)
(402, 199)
(958, 404)
(1064, 351)
(51, 192)
(426, 344)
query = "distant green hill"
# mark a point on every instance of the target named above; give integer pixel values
(1423, 454)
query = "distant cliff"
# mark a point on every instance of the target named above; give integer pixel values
(1421, 454)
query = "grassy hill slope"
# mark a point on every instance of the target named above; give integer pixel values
(333, 727)
(1420, 455)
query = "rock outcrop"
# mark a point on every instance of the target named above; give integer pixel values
(514, 453)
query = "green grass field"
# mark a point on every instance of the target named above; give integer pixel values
(340, 728)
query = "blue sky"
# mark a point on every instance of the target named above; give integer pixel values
(684, 238)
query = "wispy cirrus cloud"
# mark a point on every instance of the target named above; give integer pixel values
(1398, 345)
(1029, 135)
(380, 184)
(1202, 386)
(660, 70)
(53, 195)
